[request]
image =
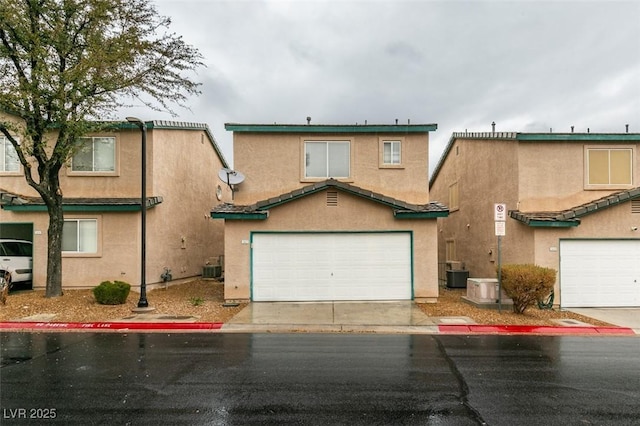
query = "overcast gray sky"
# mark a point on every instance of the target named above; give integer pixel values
(527, 65)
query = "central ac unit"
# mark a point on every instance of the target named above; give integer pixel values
(212, 271)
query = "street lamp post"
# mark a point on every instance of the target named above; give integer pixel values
(142, 303)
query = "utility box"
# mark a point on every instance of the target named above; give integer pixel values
(457, 278)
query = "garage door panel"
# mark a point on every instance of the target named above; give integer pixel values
(331, 266)
(600, 273)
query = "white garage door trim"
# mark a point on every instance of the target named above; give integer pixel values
(599, 273)
(322, 266)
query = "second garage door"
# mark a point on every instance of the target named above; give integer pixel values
(331, 266)
(600, 273)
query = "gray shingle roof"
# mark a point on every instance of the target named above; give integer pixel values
(12, 201)
(400, 208)
(571, 217)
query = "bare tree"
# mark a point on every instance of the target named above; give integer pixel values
(67, 64)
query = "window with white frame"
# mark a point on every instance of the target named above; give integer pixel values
(9, 161)
(391, 152)
(609, 167)
(95, 154)
(327, 159)
(80, 236)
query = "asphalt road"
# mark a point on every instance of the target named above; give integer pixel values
(237, 379)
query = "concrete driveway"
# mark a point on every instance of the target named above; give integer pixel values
(622, 317)
(332, 316)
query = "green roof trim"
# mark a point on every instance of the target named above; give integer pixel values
(240, 216)
(582, 137)
(86, 205)
(330, 128)
(74, 208)
(553, 223)
(419, 215)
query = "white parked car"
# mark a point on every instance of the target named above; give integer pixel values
(16, 260)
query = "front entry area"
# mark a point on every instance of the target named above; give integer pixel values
(317, 266)
(600, 273)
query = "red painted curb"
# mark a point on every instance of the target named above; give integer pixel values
(529, 329)
(110, 325)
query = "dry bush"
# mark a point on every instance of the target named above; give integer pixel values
(527, 284)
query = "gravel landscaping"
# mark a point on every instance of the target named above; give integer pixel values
(203, 300)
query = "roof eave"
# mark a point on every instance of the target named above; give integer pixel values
(328, 128)
(419, 215)
(552, 223)
(240, 216)
(86, 207)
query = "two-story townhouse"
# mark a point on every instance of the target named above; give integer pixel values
(331, 212)
(101, 187)
(574, 206)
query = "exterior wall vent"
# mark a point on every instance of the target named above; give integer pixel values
(332, 198)
(635, 206)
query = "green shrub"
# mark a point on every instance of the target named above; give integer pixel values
(196, 301)
(527, 284)
(111, 293)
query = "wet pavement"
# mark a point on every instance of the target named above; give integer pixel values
(358, 379)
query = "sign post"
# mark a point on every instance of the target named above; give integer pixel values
(500, 217)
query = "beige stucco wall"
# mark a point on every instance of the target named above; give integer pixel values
(124, 183)
(180, 232)
(117, 258)
(484, 171)
(312, 214)
(552, 174)
(273, 165)
(182, 168)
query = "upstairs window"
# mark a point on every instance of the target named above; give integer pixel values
(95, 154)
(391, 153)
(9, 161)
(327, 159)
(609, 168)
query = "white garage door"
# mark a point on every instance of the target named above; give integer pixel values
(599, 273)
(331, 266)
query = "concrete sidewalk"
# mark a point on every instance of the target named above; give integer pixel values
(391, 317)
(342, 317)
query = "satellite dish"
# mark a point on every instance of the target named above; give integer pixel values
(231, 178)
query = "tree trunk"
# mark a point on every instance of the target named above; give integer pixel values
(54, 246)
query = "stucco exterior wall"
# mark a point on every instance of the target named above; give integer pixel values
(124, 183)
(182, 167)
(484, 171)
(552, 174)
(118, 255)
(273, 165)
(180, 231)
(312, 214)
